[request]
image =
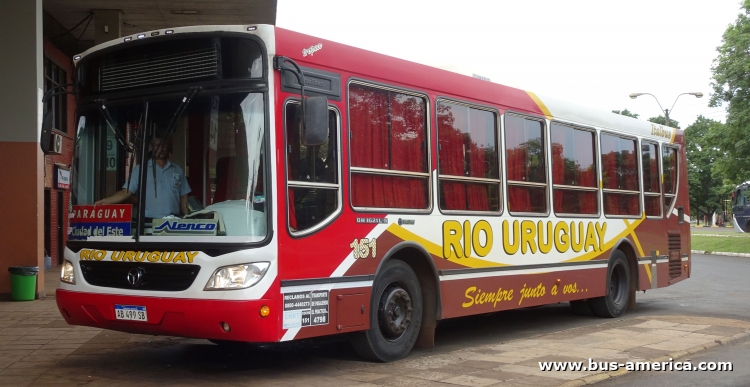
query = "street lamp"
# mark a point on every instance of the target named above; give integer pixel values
(697, 94)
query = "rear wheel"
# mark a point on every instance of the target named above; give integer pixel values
(614, 303)
(395, 315)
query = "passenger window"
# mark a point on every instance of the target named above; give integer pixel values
(620, 176)
(389, 166)
(669, 164)
(527, 172)
(468, 158)
(312, 172)
(651, 183)
(574, 171)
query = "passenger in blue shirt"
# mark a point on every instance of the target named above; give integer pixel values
(170, 196)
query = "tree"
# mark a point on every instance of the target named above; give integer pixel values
(731, 88)
(625, 112)
(705, 185)
(663, 121)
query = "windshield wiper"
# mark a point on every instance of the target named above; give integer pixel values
(192, 91)
(105, 112)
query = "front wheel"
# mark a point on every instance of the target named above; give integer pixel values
(614, 303)
(395, 315)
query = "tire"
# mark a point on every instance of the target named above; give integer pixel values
(615, 302)
(395, 315)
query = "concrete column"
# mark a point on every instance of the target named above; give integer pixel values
(21, 159)
(108, 23)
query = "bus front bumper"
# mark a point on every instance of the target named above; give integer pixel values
(197, 318)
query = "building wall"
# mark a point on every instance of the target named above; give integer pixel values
(21, 175)
(64, 159)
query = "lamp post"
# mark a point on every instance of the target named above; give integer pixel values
(697, 94)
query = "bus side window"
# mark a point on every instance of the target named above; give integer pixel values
(313, 187)
(526, 164)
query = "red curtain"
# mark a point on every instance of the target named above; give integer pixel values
(650, 169)
(388, 132)
(670, 170)
(630, 166)
(516, 149)
(465, 137)
(573, 164)
(585, 149)
(609, 173)
(652, 205)
(482, 137)
(630, 171)
(558, 170)
(451, 154)
(620, 171)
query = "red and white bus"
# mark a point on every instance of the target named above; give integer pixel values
(396, 196)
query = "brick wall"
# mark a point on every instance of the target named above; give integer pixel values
(66, 63)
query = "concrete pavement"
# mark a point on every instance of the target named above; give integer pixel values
(38, 348)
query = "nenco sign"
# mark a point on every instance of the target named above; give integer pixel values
(62, 177)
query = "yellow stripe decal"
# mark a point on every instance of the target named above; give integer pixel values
(635, 239)
(437, 250)
(648, 271)
(629, 228)
(541, 105)
(674, 133)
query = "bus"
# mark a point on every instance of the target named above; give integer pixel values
(295, 187)
(741, 208)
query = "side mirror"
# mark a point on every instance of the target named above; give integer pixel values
(45, 135)
(316, 121)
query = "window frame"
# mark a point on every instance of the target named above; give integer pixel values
(639, 192)
(545, 162)
(500, 173)
(57, 104)
(597, 174)
(387, 172)
(676, 180)
(661, 184)
(289, 183)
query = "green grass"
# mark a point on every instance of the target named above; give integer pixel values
(728, 243)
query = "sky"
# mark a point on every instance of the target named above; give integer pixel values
(590, 52)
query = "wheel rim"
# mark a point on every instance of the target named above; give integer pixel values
(394, 312)
(618, 285)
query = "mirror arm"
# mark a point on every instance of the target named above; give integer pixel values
(51, 92)
(283, 63)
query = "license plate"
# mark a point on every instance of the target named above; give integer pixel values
(130, 312)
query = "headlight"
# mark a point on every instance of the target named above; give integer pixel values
(237, 276)
(66, 273)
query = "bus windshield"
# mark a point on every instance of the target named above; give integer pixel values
(203, 170)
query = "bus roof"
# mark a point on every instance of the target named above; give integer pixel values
(368, 65)
(383, 68)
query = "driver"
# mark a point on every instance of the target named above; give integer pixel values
(170, 196)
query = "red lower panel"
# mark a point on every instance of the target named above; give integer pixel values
(491, 294)
(196, 318)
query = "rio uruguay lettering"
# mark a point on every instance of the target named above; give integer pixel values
(525, 237)
(139, 256)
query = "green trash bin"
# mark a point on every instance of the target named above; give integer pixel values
(23, 282)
